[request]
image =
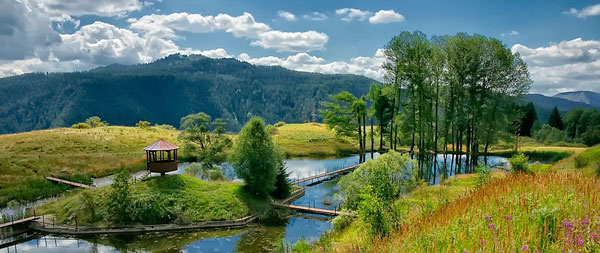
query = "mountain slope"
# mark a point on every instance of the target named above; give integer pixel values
(544, 105)
(167, 89)
(586, 97)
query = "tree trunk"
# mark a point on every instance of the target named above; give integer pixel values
(372, 138)
(360, 138)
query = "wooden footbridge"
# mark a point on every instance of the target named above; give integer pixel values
(306, 209)
(326, 174)
(16, 222)
(58, 180)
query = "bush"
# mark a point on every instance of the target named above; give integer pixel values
(342, 221)
(279, 124)
(519, 163)
(81, 125)
(142, 124)
(118, 199)
(215, 175)
(483, 175)
(164, 126)
(272, 130)
(95, 121)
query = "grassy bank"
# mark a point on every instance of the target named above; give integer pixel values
(169, 199)
(556, 208)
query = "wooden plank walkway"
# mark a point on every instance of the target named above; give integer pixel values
(326, 174)
(28, 219)
(58, 180)
(306, 209)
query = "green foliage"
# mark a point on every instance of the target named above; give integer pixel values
(550, 135)
(555, 119)
(282, 185)
(216, 175)
(199, 142)
(118, 198)
(81, 125)
(342, 221)
(89, 205)
(519, 163)
(95, 121)
(583, 125)
(272, 130)
(340, 113)
(279, 124)
(528, 119)
(389, 175)
(165, 127)
(142, 124)
(484, 175)
(371, 211)
(255, 158)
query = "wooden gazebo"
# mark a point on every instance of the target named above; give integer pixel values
(161, 157)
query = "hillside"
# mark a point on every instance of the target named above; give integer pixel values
(167, 89)
(586, 97)
(544, 105)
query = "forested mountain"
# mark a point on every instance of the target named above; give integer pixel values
(167, 89)
(544, 105)
(586, 97)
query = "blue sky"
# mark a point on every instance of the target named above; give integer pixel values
(560, 40)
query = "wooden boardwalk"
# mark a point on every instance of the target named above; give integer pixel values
(28, 219)
(305, 209)
(342, 170)
(58, 180)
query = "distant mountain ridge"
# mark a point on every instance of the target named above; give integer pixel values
(586, 97)
(544, 104)
(165, 90)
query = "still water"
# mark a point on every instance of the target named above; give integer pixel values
(254, 238)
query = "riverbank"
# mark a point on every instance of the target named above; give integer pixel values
(522, 208)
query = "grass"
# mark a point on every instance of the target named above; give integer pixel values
(553, 209)
(312, 139)
(76, 154)
(157, 200)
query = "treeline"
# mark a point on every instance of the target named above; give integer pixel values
(578, 126)
(452, 94)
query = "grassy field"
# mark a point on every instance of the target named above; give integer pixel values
(158, 200)
(555, 209)
(78, 154)
(312, 139)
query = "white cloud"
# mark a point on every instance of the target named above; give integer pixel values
(105, 8)
(386, 16)
(315, 16)
(573, 64)
(287, 15)
(362, 65)
(292, 41)
(592, 10)
(349, 14)
(241, 26)
(511, 33)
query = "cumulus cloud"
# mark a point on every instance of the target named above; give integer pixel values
(511, 33)
(241, 26)
(287, 15)
(592, 10)
(23, 30)
(315, 16)
(386, 16)
(104, 8)
(362, 65)
(349, 14)
(568, 65)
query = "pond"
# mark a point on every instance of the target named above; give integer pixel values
(254, 238)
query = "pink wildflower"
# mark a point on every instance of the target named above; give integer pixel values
(509, 217)
(525, 247)
(580, 243)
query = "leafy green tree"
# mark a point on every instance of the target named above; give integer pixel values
(210, 148)
(219, 126)
(255, 158)
(555, 119)
(81, 125)
(118, 199)
(95, 121)
(339, 114)
(372, 211)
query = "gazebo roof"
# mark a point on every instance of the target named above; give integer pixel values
(160, 145)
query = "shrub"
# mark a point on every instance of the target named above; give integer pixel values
(519, 163)
(342, 221)
(483, 175)
(279, 124)
(142, 124)
(215, 175)
(118, 199)
(164, 126)
(95, 121)
(81, 125)
(272, 130)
